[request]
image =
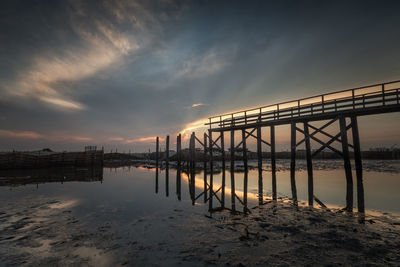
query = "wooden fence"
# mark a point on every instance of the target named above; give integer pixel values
(26, 160)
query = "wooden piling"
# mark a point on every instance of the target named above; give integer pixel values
(358, 163)
(210, 199)
(347, 165)
(157, 148)
(233, 193)
(167, 166)
(293, 162)
(178, 170)
(309, 166)
(223, 170)
(205, 167)
(245, 178)
(273, 163)
(259, 156)
(179, 149)
(190, 162)
(193, 173)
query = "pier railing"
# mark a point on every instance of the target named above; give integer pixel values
(377, 98)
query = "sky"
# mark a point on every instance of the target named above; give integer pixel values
(118, 73)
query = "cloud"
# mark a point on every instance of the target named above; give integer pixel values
(196, 105)
(193, 126)
(51, 76)
(143, 139)
(50, 137)
(80, 138)
(63, 103)
(200, 66)
(20, 134)
(134, 140)
(116, 139)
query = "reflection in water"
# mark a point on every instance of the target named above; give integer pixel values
(380, 187)
(207, 189)
(41, 176)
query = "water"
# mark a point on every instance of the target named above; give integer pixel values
(112, 217)
(380, 188)
(128, 193)
(123, 195)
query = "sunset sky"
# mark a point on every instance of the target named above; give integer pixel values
(118, 73)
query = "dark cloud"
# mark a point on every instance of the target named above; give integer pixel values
(121, 70)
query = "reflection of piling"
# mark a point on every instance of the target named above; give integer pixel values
(293, 162)
(233, 170)
(273, 163)
(347, 165)
(358, 163)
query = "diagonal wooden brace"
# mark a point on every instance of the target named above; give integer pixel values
(321, 128)
(324, 145)
(268, 144)
(241, 142)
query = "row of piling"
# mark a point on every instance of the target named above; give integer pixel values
(209, 144)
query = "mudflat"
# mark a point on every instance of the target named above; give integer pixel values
(44, 231)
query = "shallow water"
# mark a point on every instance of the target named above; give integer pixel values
(127, 192)
(115, 217)
(380, 188)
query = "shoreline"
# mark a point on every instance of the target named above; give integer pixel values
(49, 233)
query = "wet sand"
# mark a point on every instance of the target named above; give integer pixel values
(44, 231)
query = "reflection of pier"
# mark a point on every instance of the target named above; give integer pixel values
(342, 107)
(53, 175)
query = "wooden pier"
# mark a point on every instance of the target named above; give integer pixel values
(341, 107)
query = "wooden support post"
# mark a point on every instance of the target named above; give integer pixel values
(233, 194)
(190, 155)
(210, 199)
(178, 171)
(309, 166)
(157, 149)
(260, 178)
(179, 149)
(223, 170)
(293, 162)
(167, 166)
(358, 163)
(273, 163)
(190, 167)
(347, 165)
(193, 173)
(205, 167)
(245, 178)
(194, 166)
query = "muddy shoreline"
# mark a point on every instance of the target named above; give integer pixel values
(48, 232)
